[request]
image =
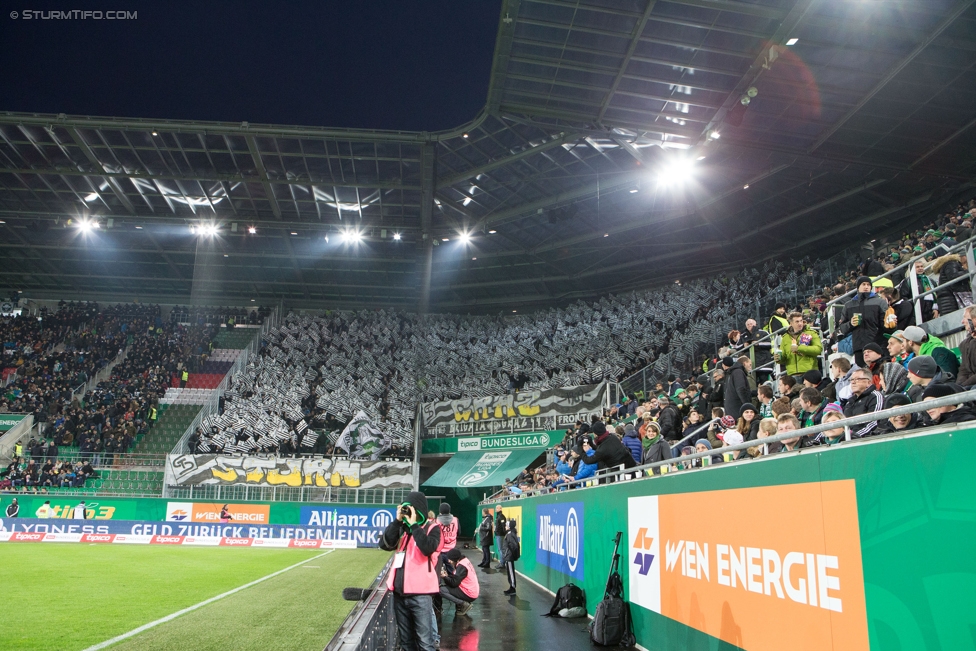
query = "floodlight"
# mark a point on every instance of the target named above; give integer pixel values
(252, 230)
(396, 236)
(793, 41)
(464, 238)
(675, 172)
(85, 225)
(208, 230)
(492, 232)
(352, 237)
(91, 197)
(714, 135)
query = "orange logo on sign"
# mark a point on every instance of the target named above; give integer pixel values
(757, 578)
(239, 513)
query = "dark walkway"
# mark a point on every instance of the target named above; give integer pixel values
(500, 623)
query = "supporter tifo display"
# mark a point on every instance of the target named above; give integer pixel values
(359, 525)
(523, 411)
(808, 552)
(216, 469)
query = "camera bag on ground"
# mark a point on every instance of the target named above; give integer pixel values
(569, 602)
(611, 625)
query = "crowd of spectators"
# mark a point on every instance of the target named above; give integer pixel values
(107, 419)
(726, 402)
(213, 315)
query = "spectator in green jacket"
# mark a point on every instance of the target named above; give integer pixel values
(800, 347)
(922, 343)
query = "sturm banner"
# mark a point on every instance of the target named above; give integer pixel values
(522, 411)
(753, 581)
(197, 469)
(560, 532)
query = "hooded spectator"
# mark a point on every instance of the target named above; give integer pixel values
(903, 423)
(894, 378)
(631, 439)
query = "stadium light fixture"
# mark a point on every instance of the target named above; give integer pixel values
(91, 197)
(154, 133)
(445, 239)
(492, 232)
(207, 230)
(464, 238)
(745, 187)
(793, 41)
(86, 225)
(397, 236)
(252, 230)
(351, 237)
(675, 172)
(714, 135)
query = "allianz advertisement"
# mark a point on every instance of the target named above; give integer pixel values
(560, 538)
(364, 525)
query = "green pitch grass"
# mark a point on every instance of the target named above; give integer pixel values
(68, 597)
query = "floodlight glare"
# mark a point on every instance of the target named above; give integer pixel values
(396, 236)
(675, 172)
(464, 238)
(208, 230)
(84, 225)
(351, 237)
(252, 230)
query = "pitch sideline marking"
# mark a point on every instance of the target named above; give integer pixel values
(145, 627)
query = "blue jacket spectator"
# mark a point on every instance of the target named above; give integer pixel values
(632, 441)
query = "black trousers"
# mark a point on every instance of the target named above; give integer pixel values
(486, 555)
(510, 572)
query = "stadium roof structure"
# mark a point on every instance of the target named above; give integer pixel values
(623, 143)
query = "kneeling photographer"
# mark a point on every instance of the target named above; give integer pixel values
(413, 579)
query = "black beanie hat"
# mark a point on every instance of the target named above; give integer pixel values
(598, 428)
(445, 508)
(778, 306)
(938, 391)
(454, 555)
(813, 376)
(863, 279)
(728, 361)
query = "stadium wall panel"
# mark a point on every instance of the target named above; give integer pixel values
(857, 546)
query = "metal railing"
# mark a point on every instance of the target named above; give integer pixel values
(638, 472)
(371, 626)
(252, 493)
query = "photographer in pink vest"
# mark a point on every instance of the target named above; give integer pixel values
(461, 585)
(413, 579)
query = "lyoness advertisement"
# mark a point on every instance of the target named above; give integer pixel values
(775, 565)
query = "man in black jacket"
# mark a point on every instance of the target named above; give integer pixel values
(864, 319)
(610, 452)
(865, 399)
(501, 528)
(13, 509)
(669, 419)
(737, 391)
(484, 537)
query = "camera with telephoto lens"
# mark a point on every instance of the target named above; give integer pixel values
(405, 509)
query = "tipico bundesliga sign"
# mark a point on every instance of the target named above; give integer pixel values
(505, 442)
